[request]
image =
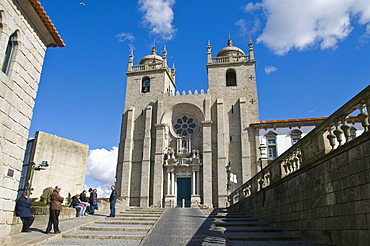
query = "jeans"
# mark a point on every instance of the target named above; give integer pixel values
(93, 207)
(112, 208)
(81, 210)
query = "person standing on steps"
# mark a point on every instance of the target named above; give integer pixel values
(55, 206)
(112, 201)
(22, 209)
(93, 201)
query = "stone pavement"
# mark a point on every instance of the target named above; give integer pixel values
(37, 236)
(184, 226)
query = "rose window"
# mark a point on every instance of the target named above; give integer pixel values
(185, 126)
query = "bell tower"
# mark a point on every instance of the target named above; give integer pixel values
(232, 85)
(146, 83)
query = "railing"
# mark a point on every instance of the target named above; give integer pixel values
(331, 134)
(229, 59)
(146, 67)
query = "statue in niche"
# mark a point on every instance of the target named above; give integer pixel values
(171, 153)
(195, 153)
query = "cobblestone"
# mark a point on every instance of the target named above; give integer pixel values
(184, 226)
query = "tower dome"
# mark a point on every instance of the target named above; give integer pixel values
(152, 58)
(230, 50)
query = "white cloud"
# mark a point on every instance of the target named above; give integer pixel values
(158, 16)
(125, 36)
(101, 165)
(270, 69)
(252, 7)
(247, 29)
(302, 24)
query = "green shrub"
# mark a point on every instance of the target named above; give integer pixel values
(38, 203)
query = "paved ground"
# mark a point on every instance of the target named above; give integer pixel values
(37, 235)
(177, 226)
(184, 226)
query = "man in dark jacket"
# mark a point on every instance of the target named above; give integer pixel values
(22, 209)
(55, 207)
(93, 201)
(112, 201)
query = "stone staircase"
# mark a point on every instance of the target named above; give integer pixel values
(127, 228)
(242, 229)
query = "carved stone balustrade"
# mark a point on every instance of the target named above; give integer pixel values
(330, 135)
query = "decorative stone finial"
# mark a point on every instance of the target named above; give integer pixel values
(154, 51)
(164, 52)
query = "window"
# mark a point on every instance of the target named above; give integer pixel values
(145, 85)
(271, 145)
(295, 136)
(230, 77)
(185, 126)
(9, 53)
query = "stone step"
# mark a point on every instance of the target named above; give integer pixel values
(139, 212)
(127, 235)
(114, 228)
(230, 216)
(133, 218)
(241, 223)
(261, 236)
(146, 210)
(271, 243)
(93, 242)
(138, 215)
(127, 222)
(249, 229)
(227, 219)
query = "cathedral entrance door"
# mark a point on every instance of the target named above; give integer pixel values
(183, 191)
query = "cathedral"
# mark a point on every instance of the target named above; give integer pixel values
(193, 149)
(178, 150)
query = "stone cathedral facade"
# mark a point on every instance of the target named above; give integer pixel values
(174, 148)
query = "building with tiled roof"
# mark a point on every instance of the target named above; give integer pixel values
(25, 33)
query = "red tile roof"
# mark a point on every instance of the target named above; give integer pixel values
(292, 120)
(48, 24)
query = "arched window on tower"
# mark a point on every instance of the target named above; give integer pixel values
(145, 85)
(9, 53)
(230, 77)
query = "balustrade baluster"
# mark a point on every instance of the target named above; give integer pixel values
(364, 118)
(331, 137)
(338, 133)
(346, 129)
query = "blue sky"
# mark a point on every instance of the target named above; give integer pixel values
(312, 57)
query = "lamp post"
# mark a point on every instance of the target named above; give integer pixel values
(34, 168)
(228, 181)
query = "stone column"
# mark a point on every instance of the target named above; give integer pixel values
(158, 165)
(168, 183)
(172, 183)
(221, 158)
(197, 182)
(145, 167)
(207, 156)
(193, 182)
(246, 171)
(127, 157)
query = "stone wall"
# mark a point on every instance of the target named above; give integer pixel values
(17, 93)
(67, 165)
(327, 203)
